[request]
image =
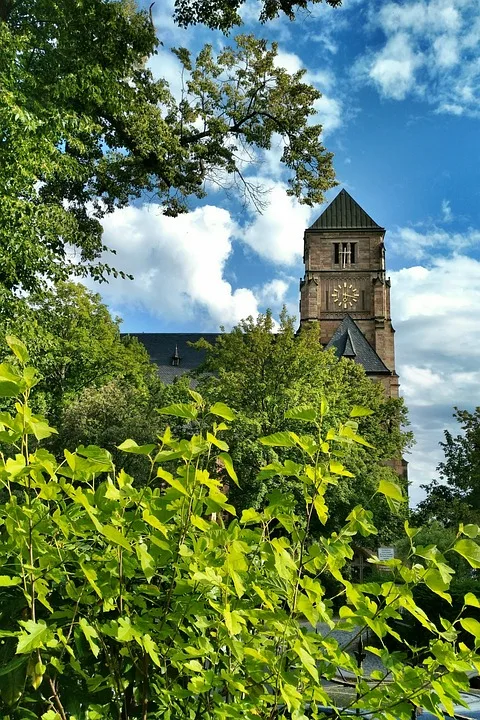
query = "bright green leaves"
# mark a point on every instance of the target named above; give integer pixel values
(91, 636)
(130, 446)
(391, 490)
(469, 550)
(35, 635)
(280, 439)
(234, 622)
(18, 348)
(223, 411)
(472, 626)
(358, 411)
(157, 591)
(228, 464)
(304, 414)
(187, 411)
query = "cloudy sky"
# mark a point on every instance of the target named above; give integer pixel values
(400, 110)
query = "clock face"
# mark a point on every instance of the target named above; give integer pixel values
(345, 295)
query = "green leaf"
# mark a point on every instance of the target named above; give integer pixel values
(469, 550)
(250, 516)
(221, 444)
(199, 523)
(228, 463)
(10, 381)
(196, 396)
(433, 579)
(146, 561)
(115, 536)
(304, 413)
(359, 411)
(181, 410)
(350, 434)
(470, 530)
(233, 621)
(130, 446)
(471, 599)
(279, 439)
(338, 469)
(18, 348)
(151, 648)
(6, 581)
(90, 635)
(391, 490)
(91, 576)
(222, 410)
(472, 626)
(36, 635)
(307, 661)
(154, 522)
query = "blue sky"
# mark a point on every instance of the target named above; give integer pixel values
(400, 109)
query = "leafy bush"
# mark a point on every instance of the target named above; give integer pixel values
(121, 602)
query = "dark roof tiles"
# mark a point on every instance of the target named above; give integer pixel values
(349, 341)
(344, 213)
(164, 347)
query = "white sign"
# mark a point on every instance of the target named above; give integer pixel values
(386, 553)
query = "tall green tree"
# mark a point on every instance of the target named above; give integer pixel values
(75, 344)
(456, 495)
(85, 128)
(262, 371)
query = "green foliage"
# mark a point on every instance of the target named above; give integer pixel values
(84, 128)
(223, 15)
(119, 601)
(263, 374)
(75, 344)
(456, 496)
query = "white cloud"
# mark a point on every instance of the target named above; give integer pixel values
(178, 265)
(435, 314)
(277, 234)
(447, 215)
(430, 50)
(393, 68)
(410, 243)
(329, 113)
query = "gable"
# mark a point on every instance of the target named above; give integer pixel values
(349, 341)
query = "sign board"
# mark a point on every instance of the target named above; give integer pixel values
(386, 553)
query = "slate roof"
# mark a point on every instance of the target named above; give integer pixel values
(344, 213)
(162, 348)
(349, 341)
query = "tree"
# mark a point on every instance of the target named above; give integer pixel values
(224, 15)
(84, 128)
(457, 495)
(127, 603)
(262, 374)
(75, 344)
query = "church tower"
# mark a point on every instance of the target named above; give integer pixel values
(345, 288)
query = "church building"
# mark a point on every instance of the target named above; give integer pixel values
(345, 288)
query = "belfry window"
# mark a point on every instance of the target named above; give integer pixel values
(344, 254)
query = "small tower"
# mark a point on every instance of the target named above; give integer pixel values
(345, 287)
(176, 357)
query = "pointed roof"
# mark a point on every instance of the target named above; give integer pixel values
(344, 213)
(349, 341)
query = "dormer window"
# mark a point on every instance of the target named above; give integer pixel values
(344, 254)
